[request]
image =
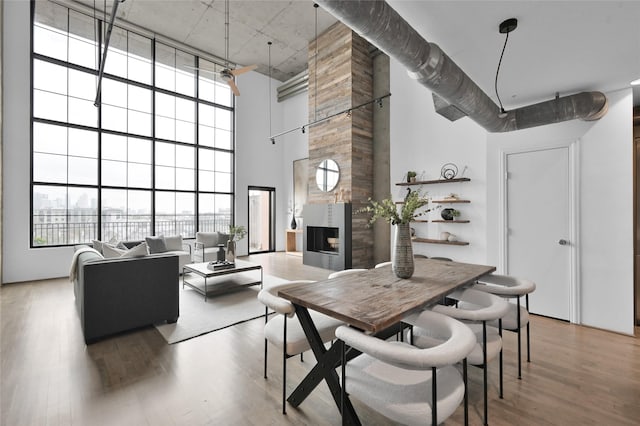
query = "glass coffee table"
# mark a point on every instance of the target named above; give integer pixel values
(208, 281)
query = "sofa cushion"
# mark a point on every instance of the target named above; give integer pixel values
(109, 251)
(173, 243)
(156, 244)
(208, 239)
(138, 251)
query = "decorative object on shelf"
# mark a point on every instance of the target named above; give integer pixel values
(451, 197)
(293, 225)
(413, 233)
(452, 238)
(449, 171)
(236, 233)
(411, 176)
(444, 236)
(410, 210)
(448, 214)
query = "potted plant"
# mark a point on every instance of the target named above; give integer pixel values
(411, 176)
(236, 233)
(455, 214)
(399, 215)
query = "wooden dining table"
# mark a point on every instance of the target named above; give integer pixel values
(374, 301)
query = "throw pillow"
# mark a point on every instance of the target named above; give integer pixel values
(156, 244)
(138, 251)
(97, 245)
(173, 243)
(109, 251)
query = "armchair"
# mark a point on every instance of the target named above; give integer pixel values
(206, 245)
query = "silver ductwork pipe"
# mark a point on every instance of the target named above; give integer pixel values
(383, 27)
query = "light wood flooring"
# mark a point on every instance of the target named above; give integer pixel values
(578, 375)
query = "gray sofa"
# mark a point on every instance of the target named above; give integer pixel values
(119, 294)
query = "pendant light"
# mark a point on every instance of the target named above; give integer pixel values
(505, 27)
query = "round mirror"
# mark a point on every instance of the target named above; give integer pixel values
(327, 175)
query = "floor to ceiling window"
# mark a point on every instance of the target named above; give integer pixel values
(155, 156)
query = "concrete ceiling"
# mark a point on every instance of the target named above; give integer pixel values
(559, 46)
(290, 25)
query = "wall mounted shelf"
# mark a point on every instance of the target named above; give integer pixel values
(431, 182)
(450, 201)
(430, 241)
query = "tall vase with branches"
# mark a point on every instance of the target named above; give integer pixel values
(400, 215)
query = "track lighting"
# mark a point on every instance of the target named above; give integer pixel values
(348, 112)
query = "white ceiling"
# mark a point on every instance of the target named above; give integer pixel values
(559, 46)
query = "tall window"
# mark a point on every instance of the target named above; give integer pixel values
(155, 157)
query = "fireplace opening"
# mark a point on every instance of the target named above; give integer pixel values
(323, 239)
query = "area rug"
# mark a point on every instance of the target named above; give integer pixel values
(198, 317)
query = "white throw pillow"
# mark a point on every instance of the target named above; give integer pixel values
(138, 251)
(109, 251)
(97, 245)
(173, 243)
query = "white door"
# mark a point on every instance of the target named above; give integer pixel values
(538, 221)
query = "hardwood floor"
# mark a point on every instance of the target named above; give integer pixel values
(578, 375)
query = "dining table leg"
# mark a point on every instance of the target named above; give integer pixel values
(327, 361)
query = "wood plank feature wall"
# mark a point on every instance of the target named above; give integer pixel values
(341, 77)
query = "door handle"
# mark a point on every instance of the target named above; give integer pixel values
(563, 242)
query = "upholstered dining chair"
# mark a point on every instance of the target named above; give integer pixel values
(475, 309)
(383, 264)
(289, 335)
(345, 272)
(517, 318)
(409, 385)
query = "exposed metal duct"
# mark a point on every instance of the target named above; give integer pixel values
(297, 84)
(383, 27)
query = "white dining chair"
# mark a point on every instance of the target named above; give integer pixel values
(409, 385)
(289, 335)
(345, 272)
(475, 309)
(517, 318)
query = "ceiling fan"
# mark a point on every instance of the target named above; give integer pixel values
(228, 75)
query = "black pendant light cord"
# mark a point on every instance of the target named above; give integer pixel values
(269, 97)
(506, 39)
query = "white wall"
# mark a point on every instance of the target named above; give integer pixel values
(258, 162)
(296, 146)
(605, 185)
(20, 263)
(422, 140)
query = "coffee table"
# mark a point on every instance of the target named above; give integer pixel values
(212, 281)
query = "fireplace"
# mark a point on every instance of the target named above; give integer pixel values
(327, 236)
(323, 239)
